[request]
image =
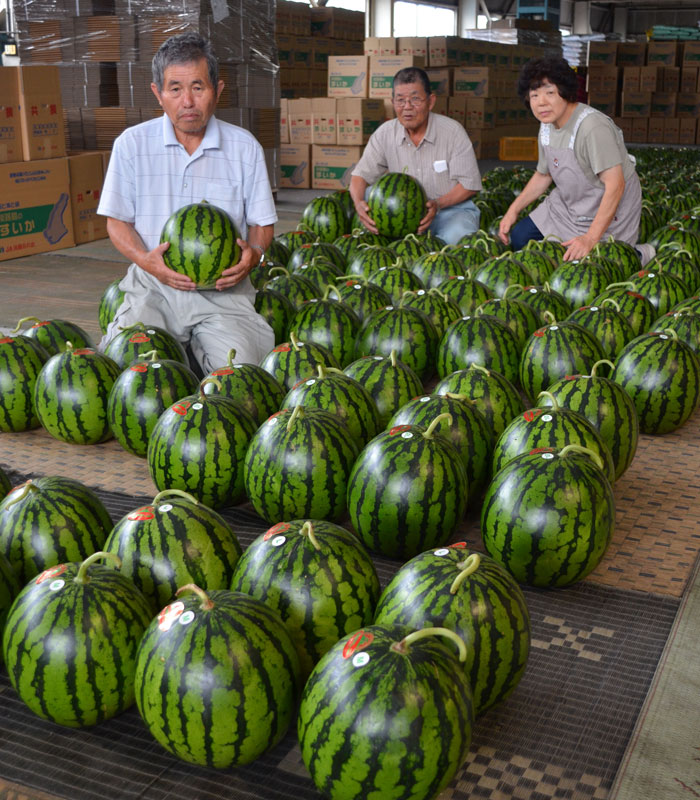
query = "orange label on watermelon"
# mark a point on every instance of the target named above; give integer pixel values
(181, 407)
(571, 377)
(540, 333)
(459, 545)
(6, 340)
(281, 527)
(169, 615)
(283, 348)
(538, 450)
(52, 572)
(84, 351)
(141, 514)
(139, 338)
(532, 414)
(39, 324)
(398, 429)
(358, 641)
(224, 371)
(139, 368)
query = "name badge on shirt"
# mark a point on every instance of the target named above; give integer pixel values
(440, 166)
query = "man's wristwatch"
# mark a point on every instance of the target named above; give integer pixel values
(261, 249)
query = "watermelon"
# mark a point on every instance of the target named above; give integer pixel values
(536, 262)
(70, 642)
(483, 241)
(607, 323)
(278, 252)
(360, 295)
(132, 342)
(661, 374)
(389, 381)
(172, 541)
(276, 309)
(620, 252)
(321, 272)
(141, 394)
(579, 282)
(521, 318)
(344, 199)
(433, 269)
(317, 576)
(329, 323)
(325, 218)
(473, 595)
(21, 361)
(409, 248)
(466, 292)
(549, 516)
(71, 395)
(387, 713)
(296, 288)
(53, 334)
(396, 204)
(307, 252)
(249, 385)
(395, 281)
(407, 490)
(9, 589)
(663, 290)
(291, 240)
(686, 324)
(440, 309)
(678, 262)
(5, 484)
(217, 678)
(198, 445)
(469, 255)
(499, 272)
(292, 361)
(368, 258)
(203, 243)
(541, 299)
(635, 307)
(298, 465)
(109, 304)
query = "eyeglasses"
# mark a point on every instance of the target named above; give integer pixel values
(414, 100)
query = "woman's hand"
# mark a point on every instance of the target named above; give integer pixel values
(579, 247)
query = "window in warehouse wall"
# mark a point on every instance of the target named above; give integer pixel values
(420, 19)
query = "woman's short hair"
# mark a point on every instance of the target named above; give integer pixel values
(555, 70)
(412, 75)
(184, 49)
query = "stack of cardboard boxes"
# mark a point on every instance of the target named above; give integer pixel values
(652, 90)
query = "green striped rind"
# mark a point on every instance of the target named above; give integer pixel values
(680, 264)
(433, 269)
(276, 309)
(541, 299)
(607, 406)
(555, 351)
(9, 589)
(407, 331)
(294, 239)
(397, 727)
(660, 288)
(53, 334)
(609, 326)
(172, 542)
(109, 303)
(466, 292)
(329, 323)
(407, 492)
(521, 318)
(550, 428)
(89, 677)
(662, 376)
(136, 340)
(396, 204)
(341, 395)
(299, 467)
(306, 253)
(48, 521)
(71, 394)
(140, 395)
(202, 241)
(579, 282)
(499, 272)
(251, 387)
(325, 217)
(320, 594)
(493, 395)
(362, 297)
(483, 340)
(320, 272)
(637, 309)
(488, 611)
(390, 383)
(620, 252)
(5, 484)
(537, 264)
(222, 689)
(689, 240)
(347, 245)
(395, 281)
(291, 362)
(548, 518)
(410, 248)
(296, 288)
(278, 252)
(439, 308)
(469, 255)
(468, 431)
(198, 445)
(21, 361)
(686, 325)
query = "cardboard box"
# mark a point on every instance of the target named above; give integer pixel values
(631, 54)
(457, 109)
(671, 130)
(380, 46)
(440, 106)
(691, 54)
(324, 120)
(337, 23)
(603, 79)
(640, 127)
(41, 112)
(688, 104)
(662, 54)
(635, 104)
(358, 119)
(86, 177)
(670, 79)
(602, 53)
(412, 46)
(382, 70)
(35, 210)
(481, 112)
(439, 81)
(300, 120)
(689, 79)
(625, 125)
(630, 79)
(471, 82)
(604, 101)
(331, 167)
(655, 130)
(649, 79)
(348, 76)
(663, 104)
(687, 130)
(295, 163)
(285, 48)
(320, 51)
(10, 125)
(284, 121)
(318, 82)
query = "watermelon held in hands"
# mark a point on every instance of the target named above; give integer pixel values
(368, 725)
(396, 204)
(203, 243)
(217, 678)
(71, 639)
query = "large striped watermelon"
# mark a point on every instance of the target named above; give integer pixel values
(396, 204)
(172, 541)
(407, 490)
(109, 304)
(307, 252)
(468, 293)
(297, 465)
(368, 258)
(321, 272)
(686, 324)
(474, 596)
(360, 295)
(520, 317)
(329, 323)
(71, 394)
(607, 324)
(325, 218)
(541, 299)
(410, 248)
(46, 521)
(203, 243)
(549, 516)
(662, 289)
(70, 642)
(678, 262)
(500, 272)
(387, 713)
(217, 678)
(433, 269)
(292, 361)
(53, 334)
(579, 282)
(637, 309)
(276, 309)
(317, 576)
(21, 361)
(296, 288)
(396, 280)
(131, 343)
(440, 309)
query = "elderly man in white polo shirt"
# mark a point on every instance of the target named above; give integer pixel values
(184, 157)
(432, 148)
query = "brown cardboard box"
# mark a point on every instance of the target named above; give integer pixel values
(300, 117)
(635, 104)
(686, 130)
(285, 47)
(440, 106)
(691, 54)
(412, 46)
(481, 112)
(301, 52)
(650, 79)
(471, 82)
(689, 79)
(440, 81)
(457, 109)
(688, 104)
(358, 119)
(319, 82)
(655, 131)
(640, 130)
(380, 46)
(347, 76)
(337, 23)
(41, 112)
(475, 53)
(324, 120)
(320, 51)
(35, 211)
(663, 104)
(604, 101)
(86, 178)
(630, 79)
(10, 125)
(603, 79)
(602, 53)
(382, 70)
(625, 125)
(662, 54)
(670, 79)
(631, 54)
(284, 121)
(295, 162)
(331, 167)
(671, 130)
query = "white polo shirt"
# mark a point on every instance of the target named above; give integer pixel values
(151, 175)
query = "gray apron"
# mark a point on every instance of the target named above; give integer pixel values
(569, 208)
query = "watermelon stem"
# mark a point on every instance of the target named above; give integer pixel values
(217, 383)
(428, 434)
(403, 646)
(22, 321)
(626, 284)
(206, 604)
(480, 368)
(293, 339)
(308, 531)
(83, 577)
(577, 448)
(547, 315)
(393, 358)
(298, 412)
(24, 490)
(231, 356)
(169, 492)
(151, 355)
(513, 285)
(468, 566)
(594, 368)
(552, 398)
(611, 302)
